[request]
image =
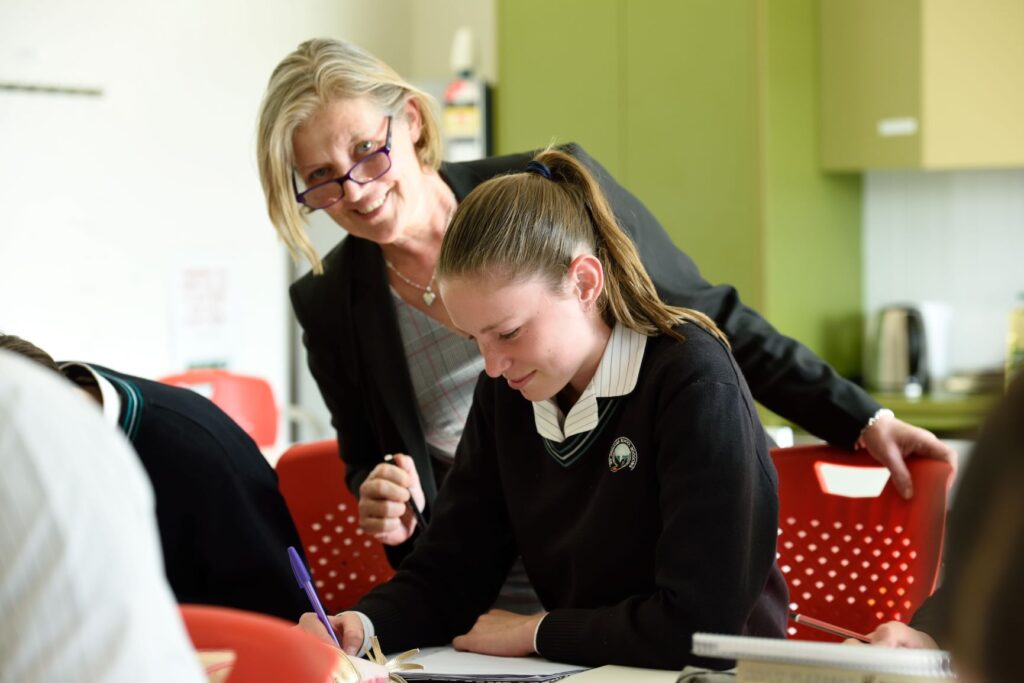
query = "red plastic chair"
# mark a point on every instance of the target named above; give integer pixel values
(345, 562)
(853, 557)
(249, 401)
(266, 648)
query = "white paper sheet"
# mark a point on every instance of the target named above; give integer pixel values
(445, 663)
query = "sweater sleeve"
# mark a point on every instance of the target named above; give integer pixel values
(782, 373)
(716, 552)
(458, 566)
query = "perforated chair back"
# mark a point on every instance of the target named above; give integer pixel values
(266, 648)
(345, 562)
(853, 552)
(249, 401)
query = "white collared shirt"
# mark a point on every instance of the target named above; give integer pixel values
(108, 394)
(616, 375)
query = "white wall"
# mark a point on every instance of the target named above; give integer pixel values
(435, 25)
(106, 202)
(157, 178)
(956, 237)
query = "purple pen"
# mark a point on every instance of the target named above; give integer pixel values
(306, 584)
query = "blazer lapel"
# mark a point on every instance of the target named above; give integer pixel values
(379, 343)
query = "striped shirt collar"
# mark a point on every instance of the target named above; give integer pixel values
(616, 375)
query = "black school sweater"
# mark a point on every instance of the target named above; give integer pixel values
(632, 555)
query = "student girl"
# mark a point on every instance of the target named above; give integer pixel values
(612, 443)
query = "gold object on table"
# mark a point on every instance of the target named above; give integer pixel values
(395, 664)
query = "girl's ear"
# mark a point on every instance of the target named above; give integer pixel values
(586, 278)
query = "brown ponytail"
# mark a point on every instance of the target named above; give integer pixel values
(533, 223)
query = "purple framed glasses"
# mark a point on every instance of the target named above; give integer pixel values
(364, 171)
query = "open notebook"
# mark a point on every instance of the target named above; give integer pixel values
(769, 660)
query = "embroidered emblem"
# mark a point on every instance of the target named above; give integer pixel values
(622, 455)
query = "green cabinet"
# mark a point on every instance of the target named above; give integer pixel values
(708, 111)
(922, 83)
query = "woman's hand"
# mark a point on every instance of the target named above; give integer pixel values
(891, 441)
(383, 498)
(501, 633)
(898, 634)
(347, 626)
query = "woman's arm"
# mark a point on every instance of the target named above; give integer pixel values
(783, 374)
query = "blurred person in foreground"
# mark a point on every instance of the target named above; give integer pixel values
(224, 526)
(82, 590)
(978, 611)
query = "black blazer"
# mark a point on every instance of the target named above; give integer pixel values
(350, 330)
(224, 526)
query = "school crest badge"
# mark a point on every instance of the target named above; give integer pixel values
(622, 455)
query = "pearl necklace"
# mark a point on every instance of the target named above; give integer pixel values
(428, 292)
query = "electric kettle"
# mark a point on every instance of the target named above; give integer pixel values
(900, 352)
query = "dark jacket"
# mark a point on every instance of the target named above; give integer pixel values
(350, 330)
(224, 526)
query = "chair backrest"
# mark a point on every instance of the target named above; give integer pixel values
(345, 562)
(266, 648)
(249, 401)
(851, 556)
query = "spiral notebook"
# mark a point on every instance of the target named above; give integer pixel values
(770, 660)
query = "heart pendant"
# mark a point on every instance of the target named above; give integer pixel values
(428, 297)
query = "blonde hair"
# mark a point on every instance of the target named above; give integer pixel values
(318, 72)
(525, 224)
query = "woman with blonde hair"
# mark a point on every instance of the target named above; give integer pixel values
(341, 132)
(634, 480)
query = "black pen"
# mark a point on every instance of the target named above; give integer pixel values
(420, 519)
(828, 628)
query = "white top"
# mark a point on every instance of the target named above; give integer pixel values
(616, 375)
(82, 588)
(110, 401)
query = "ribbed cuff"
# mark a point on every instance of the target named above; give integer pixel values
(368, 632)
(558, 637)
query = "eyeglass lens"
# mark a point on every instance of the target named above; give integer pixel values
(362, 172)
(367, 170)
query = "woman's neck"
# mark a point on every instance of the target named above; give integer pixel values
(421, 243)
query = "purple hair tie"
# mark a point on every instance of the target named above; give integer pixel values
(539, 168)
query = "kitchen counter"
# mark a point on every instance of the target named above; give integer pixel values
(942, 413)
(947, 415)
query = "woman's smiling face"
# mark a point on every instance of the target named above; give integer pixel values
(344, 133)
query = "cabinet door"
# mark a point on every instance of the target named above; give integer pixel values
(560, 79)
(871, 59)
(691, 130)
